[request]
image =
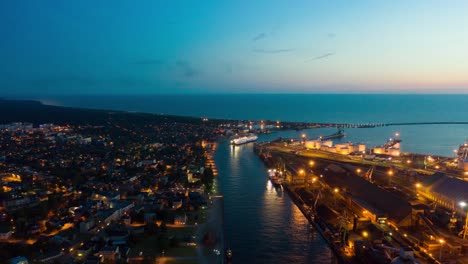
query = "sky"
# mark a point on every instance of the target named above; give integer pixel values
(220, 46)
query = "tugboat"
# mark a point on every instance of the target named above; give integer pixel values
(274, 178)
(275, 181)
(338, 134)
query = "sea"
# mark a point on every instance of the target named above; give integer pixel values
(262, 225)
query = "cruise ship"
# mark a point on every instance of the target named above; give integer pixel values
(244, 140)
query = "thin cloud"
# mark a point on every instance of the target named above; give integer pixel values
(228, 68)
(66, 79)
(326, 55)
(149, 62)
(86, 82)
(259, 36)
(272, 51)
(331, 35)
(187, 69)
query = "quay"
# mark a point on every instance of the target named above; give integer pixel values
(309, 214)
(374, 209)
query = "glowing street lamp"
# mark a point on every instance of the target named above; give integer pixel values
(358, 170)
(311, 163)
(390, 174)
(365, 234)
(465, 228)
(336, 190)
(441, 241)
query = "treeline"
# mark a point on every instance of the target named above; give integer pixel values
(38, 113)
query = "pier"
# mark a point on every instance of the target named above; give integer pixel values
(371, 125)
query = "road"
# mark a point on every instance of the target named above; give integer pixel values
(214, 225)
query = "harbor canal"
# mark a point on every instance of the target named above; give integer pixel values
(262, 224)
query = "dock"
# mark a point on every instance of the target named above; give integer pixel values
(388, 212)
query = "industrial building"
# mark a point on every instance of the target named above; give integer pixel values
(445, 191)
(340, 148)
(374, 202)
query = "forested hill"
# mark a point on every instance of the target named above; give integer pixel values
(37, 113)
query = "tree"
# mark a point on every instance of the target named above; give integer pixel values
(207, 177)
(151, 228)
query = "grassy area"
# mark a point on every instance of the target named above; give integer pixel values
(182, 252)
(199, 216)
(182, 261)
(182, 230)
(150, 245)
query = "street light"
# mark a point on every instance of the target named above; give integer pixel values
(390, 174)
(311, 163)
(365, 234)
(463, 205)
(441, 241)
(336, 190)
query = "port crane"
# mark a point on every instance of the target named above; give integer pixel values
(317, 197)
(405, 255)
(368, 174)
(343, 227)
(453, 221)
(465, 228)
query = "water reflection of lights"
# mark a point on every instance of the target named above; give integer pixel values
(297, 217)
(270, 186)
(235, 150)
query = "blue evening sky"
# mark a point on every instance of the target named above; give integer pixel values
(169, 46)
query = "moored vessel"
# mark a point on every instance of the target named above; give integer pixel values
(244, 139)
(339, 134)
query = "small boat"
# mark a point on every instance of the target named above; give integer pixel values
(275, 181)
(274, 178)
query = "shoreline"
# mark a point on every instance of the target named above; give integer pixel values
(297, 200)
(341, 197)
(214, 225)
(285, 125)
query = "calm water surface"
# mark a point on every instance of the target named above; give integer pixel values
(262, 225)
